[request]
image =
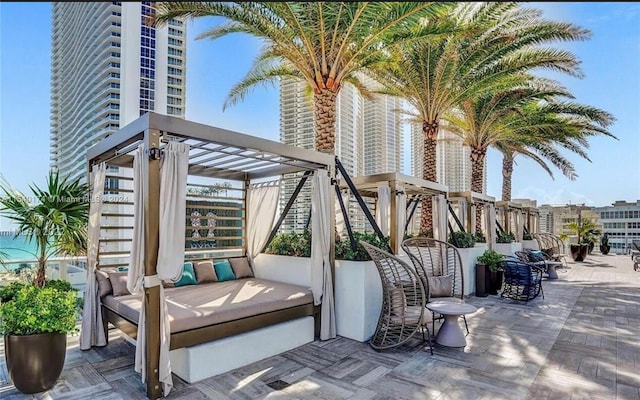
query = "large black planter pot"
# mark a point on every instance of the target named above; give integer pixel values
(579, 251)
(604, 249)
(591, 246)
(495, 282)
(35, 362)
(482, 280)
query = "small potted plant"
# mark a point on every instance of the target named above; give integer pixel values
(604, 244)
(35, 322)
(488, 273)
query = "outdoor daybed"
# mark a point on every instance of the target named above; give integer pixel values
(213, 310)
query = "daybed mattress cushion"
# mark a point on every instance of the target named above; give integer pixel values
(195, 306)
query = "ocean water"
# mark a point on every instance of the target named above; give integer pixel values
(18, 248)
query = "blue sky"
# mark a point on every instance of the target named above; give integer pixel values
(610, 61)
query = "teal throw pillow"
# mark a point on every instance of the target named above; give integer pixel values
(224, 272)
(188, 275)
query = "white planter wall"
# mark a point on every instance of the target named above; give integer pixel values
(530, 244)
(358, 299)
(469, 257)
(358, 290)
(508, 249)
(287, 269)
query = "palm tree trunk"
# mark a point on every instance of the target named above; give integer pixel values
(507, 172)
(430, 131)
(478, 155)
(324, 112)
(42, 263)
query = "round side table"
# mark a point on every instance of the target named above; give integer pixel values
(450, 334)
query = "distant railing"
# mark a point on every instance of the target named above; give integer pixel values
(71, 269)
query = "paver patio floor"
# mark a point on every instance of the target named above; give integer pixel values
(580, 342)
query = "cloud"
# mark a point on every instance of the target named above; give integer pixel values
(624, 11)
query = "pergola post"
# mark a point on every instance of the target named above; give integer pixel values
(151, 188)
(332, 229)
(393, 223)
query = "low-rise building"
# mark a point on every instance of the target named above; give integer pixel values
(621, 220)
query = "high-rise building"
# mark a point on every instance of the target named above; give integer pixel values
(108, 67)
(453, 163)
(383, 138)
(368, 141)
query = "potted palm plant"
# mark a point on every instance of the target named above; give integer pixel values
(35, 318)
(580, 228)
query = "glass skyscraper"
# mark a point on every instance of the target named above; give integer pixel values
(109, 66)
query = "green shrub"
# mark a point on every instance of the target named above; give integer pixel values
(8, 292)
(345, 252)
(462, 239)
(299, 245)
(491, 258)
(480, 238)
(505, 237)
(527, 236)
(34, 310)
(291, 244)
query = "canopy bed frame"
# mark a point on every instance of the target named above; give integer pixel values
(213, 153)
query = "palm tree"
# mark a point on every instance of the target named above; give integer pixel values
(510, 150)
(494, 45)
(323, 43)
(55, 217)
(528, 119)
(542, 127)
(582, 228)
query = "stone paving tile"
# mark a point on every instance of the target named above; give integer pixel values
(580, 342)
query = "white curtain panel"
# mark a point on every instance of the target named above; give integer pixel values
(92, 329)
(173, 202)
(382, 209)
(410, 228)
(401, 214)
(490, 210)
(340, 225)
(262, 202)
(462, 213)
(440, 215)
(135, 274)
(518, 226)
(321, 280)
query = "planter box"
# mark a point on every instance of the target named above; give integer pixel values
(530, 244)
(469, 256)
(508, 249)
(358, 299)
(357, 289)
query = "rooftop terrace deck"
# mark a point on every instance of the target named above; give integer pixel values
(581, 341)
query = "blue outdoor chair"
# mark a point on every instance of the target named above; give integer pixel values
(522, 281)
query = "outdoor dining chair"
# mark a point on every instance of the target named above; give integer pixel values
(403, 302)
(440, 268)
